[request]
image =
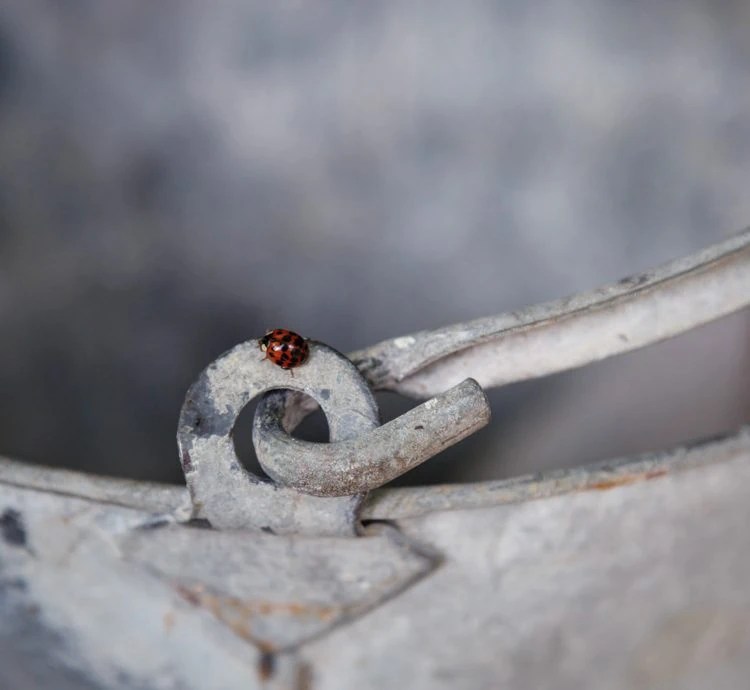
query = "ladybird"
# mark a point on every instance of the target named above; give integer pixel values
(285, 348)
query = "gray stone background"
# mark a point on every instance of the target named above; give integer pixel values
(177, 176)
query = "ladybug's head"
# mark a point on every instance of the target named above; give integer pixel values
(264, 341)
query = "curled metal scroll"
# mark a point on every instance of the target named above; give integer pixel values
(372, 459)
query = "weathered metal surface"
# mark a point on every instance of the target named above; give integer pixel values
(158, 498)
(404, 502)
(567, 333)
(633, 578)
(117, 626)
(373, 458)
(640, 586)
(279, 593)
(129, 594)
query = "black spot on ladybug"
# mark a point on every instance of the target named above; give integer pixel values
(284, 347)
(287, 338)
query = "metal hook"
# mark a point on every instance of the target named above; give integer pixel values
(333, 477)
(371, 459)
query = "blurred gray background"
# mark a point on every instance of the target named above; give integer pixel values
(175, 177)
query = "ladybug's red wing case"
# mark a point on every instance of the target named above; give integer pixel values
(285, 348)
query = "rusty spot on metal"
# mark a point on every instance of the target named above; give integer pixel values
(238, 613)
(266, 665)
(197, 523)
(305, 677)
(169, 620)
(190, 595)
(625, 480)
